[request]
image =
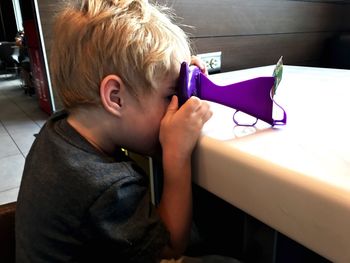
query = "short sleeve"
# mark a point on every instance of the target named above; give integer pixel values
(127, 225)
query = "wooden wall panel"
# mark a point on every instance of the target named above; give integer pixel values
(346, 18)
(251, 51)
(225, 24)
(47, 11)
(250, 32)
(247, 17)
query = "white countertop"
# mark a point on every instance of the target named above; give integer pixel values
(294, 178)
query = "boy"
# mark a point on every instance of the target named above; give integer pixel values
(115, 66)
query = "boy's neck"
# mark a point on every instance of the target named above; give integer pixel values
(84, 122)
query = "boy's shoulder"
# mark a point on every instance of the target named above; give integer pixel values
(64, 149)
(74, 165)
(60, 135)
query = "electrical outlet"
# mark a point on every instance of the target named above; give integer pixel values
(212, 61)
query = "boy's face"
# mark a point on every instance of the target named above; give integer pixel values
(144, 117)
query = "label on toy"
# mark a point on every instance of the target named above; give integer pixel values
(277, 73)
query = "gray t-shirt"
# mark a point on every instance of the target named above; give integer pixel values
(76, 204)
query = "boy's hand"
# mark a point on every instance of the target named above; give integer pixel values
(180, 128)
(200, 64)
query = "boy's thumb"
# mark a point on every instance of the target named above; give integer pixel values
(174, 105)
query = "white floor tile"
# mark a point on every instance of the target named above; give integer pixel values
(11, 168)
(20, 119)
(24, 141)
(2, 129)
(7, 147)
(9, 196)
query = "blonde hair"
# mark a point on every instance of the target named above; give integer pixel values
(133, 39)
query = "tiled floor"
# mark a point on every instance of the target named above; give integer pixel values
(20, 119)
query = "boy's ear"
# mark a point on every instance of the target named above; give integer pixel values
(110, 93)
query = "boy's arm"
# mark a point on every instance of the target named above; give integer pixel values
(179, 132)
(175, 207)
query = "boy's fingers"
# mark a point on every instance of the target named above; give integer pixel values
(207, 116)
(204, 112)
(193, 104)
(203, 68)
(199, 63)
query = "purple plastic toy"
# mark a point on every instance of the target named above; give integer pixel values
(253, 96)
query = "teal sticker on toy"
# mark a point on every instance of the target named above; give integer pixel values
(277, 73)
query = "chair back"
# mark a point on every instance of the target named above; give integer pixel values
(7, 232)
(6, 51)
